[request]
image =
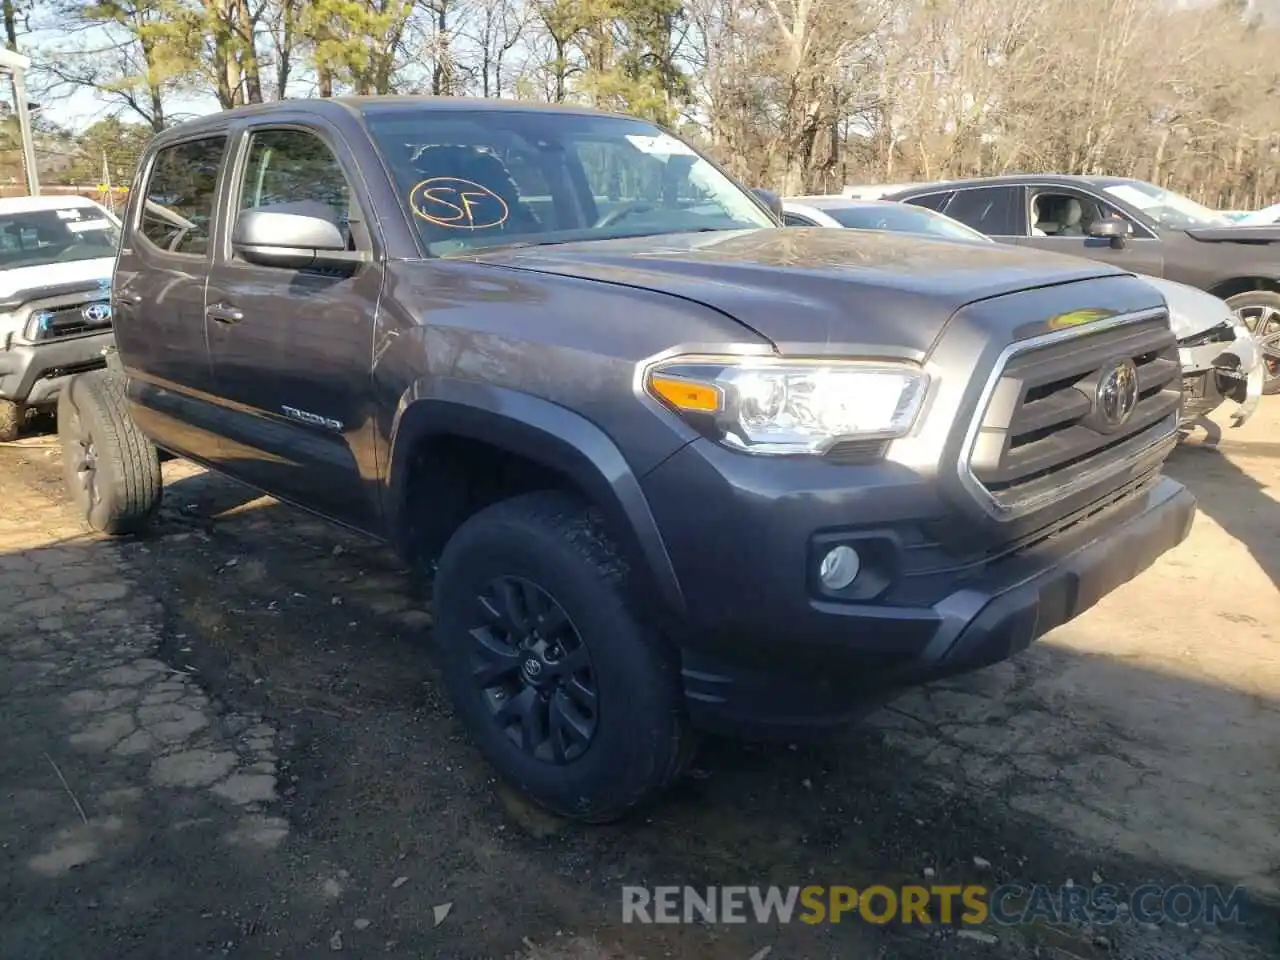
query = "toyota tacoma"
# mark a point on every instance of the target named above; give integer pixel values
(56, 255)
(672, 467)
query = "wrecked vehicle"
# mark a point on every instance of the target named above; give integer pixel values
(1221, 358)
(672, 467)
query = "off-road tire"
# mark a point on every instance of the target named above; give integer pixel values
(1261, 298)
(642, 739)
(125, 490)
(12, 416)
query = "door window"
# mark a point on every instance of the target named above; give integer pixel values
(989, 210)
(293, 171)
(178, 203)
(1063, 213)
(934, 201)
(795, 220)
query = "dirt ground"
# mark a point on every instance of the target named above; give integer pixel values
(226, 739)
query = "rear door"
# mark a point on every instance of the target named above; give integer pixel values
(292, 349)
(158, 295)
(993, 211)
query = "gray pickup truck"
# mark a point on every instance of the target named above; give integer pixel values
(673, 468)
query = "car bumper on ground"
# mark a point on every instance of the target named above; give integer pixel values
(839, 662)
(1212, 373)
(34, 374)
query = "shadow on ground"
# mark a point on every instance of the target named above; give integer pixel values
(997, 778)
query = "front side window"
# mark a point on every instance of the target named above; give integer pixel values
(34, 238)
(1065, 213)
(473, 180)
(293, 171)
(1166, 208)
(795, 220)
(177, 213)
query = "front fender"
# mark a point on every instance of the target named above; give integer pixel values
(545, 433)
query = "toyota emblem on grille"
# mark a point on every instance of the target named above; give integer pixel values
(1117, 395)
(97, 313)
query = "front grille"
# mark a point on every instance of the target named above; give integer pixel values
(1044, 429)
(62, 321)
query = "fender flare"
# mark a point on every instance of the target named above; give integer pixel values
(545, 433)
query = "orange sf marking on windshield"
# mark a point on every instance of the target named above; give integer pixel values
(458, 204)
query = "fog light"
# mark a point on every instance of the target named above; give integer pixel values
(839, 567)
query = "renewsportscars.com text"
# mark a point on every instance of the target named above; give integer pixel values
(969, 904)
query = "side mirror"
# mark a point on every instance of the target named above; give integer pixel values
(1115, 229)
(293, 241)
(770, 200)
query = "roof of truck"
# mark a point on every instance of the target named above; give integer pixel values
(366, 105)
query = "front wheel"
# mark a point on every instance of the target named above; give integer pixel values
(567, 694)
(111, 469)
(1259, 310)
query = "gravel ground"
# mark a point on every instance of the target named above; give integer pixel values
(227, 739)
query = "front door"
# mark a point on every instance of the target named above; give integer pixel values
(292, 349)
(1058, 219)
(158, 296)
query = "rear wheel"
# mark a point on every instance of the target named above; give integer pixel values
(12, 417)
(112, 471)
(1259, 310)
(567, 694)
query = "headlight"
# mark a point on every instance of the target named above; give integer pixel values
(773, 406)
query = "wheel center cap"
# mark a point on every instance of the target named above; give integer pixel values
(532, 669)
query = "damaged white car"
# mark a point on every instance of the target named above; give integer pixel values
(1221, 360)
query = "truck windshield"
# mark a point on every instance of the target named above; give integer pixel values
(33, 238)
(1166, 208)
(485, 178)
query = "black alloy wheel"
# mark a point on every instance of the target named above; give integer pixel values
(533, 671)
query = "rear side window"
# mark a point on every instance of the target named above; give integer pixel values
(989, 210)
(177, 214)
(934, 201)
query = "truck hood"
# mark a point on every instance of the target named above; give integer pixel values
(22, 283)
(1266, 233)
(806, 287)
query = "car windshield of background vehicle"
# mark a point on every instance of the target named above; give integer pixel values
(904, 219)
(1167, 208)
(35, 238)
(475, 180)
(1260, 218)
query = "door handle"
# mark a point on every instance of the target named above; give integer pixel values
(223, 313)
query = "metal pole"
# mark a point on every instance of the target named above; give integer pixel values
(24, 124)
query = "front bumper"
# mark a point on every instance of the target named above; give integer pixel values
(1219, 372)
(34, 374)
(837, 661)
